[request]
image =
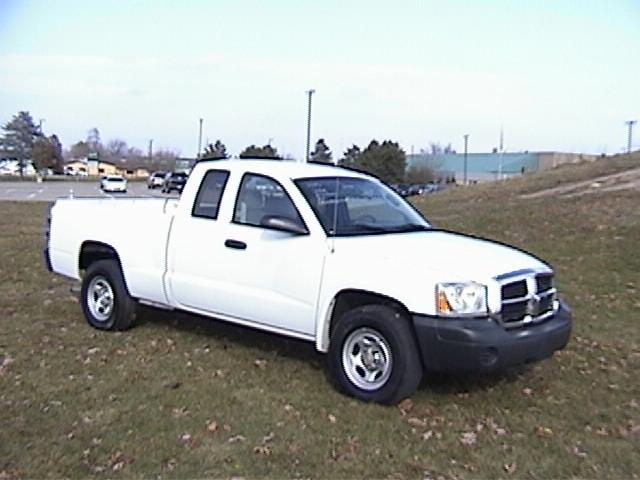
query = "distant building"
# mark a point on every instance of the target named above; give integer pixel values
(483, 167)
(139, 172)
(98, 168)
(91, 167)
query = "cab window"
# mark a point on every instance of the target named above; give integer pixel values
(260, 197)
(207, 201)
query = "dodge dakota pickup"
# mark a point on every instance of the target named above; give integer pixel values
(317, 252)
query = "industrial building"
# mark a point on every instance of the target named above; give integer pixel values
(483, 167)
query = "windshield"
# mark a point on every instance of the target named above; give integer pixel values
(359, 206)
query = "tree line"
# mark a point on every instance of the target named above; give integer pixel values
(385, 160)
(25, 141)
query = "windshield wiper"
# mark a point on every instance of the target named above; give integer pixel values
(411, 227)
(372, 228)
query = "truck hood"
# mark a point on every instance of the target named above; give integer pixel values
(454, 256)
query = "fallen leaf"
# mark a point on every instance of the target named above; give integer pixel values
(427, 435)
(544, 432)
(468, 438)
(180, 412)
(332, 418)
(417, 422)
(268, 438)
(510, 467)
(171, 464)
(262, 450)
(405, 406)
(578, 452)
(236, 439)
(260, 363)
(212, 426)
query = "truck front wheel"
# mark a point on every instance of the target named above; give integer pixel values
(373, 355)
(106, 304)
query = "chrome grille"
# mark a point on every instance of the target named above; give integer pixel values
(527, 297)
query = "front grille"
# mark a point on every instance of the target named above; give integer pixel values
(514, 290)
(544, 282)
(527, 300)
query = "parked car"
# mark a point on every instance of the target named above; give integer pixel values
(156, 179)
(401, 188)
(415, 189)
(113, 183)
(318, 253)
(174, 181)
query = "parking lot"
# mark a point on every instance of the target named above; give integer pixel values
(47, 191)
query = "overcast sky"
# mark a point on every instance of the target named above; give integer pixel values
(559, 75)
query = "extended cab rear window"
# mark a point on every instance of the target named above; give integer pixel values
(208, 198)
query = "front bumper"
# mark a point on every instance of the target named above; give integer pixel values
(484, 345)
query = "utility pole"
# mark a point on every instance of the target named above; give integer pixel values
(150, 151)
(466, 141)
(199, 142)
(309, 93)
(500, 152)
(630, 124)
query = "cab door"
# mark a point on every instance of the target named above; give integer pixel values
(237, 267)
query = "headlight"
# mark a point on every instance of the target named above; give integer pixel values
(464, 299)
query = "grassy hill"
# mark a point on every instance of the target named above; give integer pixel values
(181, 396)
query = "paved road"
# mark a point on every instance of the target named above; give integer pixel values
(48, 191)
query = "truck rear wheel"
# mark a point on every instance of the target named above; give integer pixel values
(106, 304)
(373, 355)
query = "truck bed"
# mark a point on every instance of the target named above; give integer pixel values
(117, 222)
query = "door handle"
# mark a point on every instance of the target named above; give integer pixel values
(237, 244)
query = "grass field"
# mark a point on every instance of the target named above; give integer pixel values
(180, 396)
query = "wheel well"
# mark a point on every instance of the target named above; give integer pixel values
(350, 299)
(93, 251)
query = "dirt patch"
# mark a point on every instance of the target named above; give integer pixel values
(627, 180)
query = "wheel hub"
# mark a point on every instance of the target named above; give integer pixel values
(367, 359)
(100, 298)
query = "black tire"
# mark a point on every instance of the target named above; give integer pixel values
(392, 354)
(105, 301)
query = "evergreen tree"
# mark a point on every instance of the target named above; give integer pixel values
(350, 157)
(266, 151)
(215, 150)
(386, 161)
(19, 138)
(321, 153)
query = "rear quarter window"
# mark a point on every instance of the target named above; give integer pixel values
(207, 201)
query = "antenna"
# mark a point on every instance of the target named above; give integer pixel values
(334, 227)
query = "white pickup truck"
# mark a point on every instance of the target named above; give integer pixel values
(319, 253)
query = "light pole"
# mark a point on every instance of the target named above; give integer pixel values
(199, 141)
(630, 124)
(309, 93)
(466, 141)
